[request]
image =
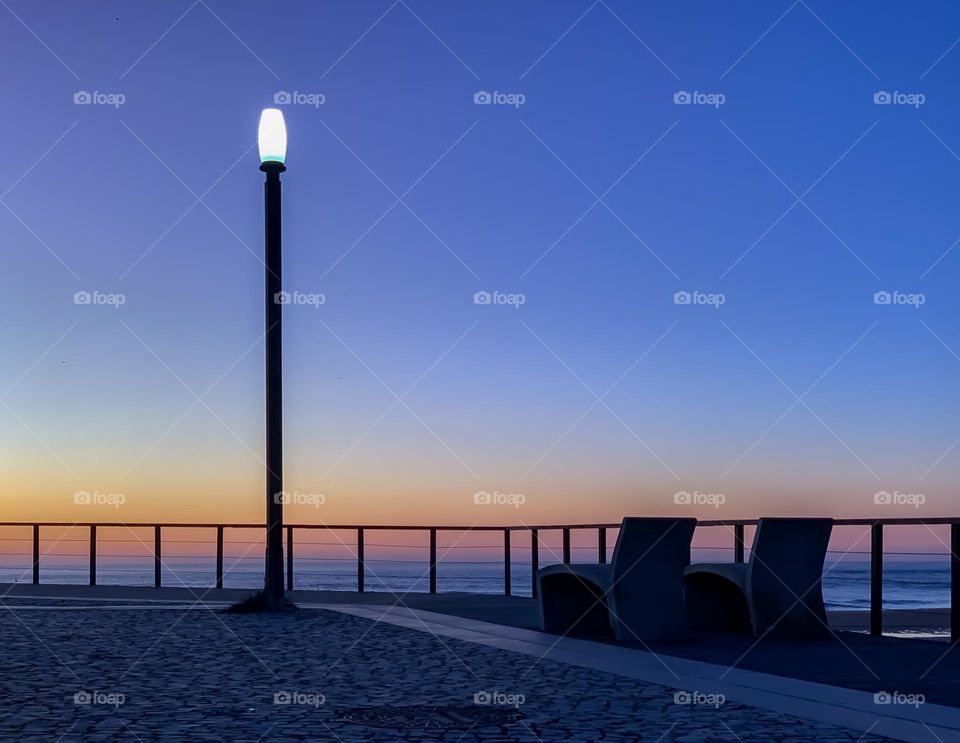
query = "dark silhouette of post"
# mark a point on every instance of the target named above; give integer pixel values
(36, 554)
(219, 557)
(534, 560)
(954, 583)
(157, 562)
(506, 562)
(289, 558)
(876, 579)
(361, 568)
(93, 554)
(433, 561)
(273, 576)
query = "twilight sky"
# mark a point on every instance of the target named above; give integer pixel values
(782, 196)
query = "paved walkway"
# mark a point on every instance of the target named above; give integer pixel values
(87, 670)
(901, 715)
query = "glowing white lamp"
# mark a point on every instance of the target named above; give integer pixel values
(272, 136)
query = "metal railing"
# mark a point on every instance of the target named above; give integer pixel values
(736, 526)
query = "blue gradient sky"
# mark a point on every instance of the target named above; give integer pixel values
(703, 398)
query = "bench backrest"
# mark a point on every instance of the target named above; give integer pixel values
(788, 554)
(645, 544)
(648, 564)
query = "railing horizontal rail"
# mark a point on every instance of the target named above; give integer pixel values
(942, 520)
(567, 549)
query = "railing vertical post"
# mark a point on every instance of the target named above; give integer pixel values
(876, 579)
(360, 567)
(954, 583)
(219, 583)
(289, 558)
(506, 562)
(433, 561)
(93, 554)
(738, 543)
(36, 553)
(602, 545)
(156, 557)
(534, 561)
(566, 546)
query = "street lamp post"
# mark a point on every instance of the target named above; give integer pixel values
(272, 141)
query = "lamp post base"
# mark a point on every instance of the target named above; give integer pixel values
(273, 583)
(257, 603)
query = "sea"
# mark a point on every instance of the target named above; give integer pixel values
(914, 582)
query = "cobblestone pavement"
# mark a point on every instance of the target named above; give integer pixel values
(160, 673)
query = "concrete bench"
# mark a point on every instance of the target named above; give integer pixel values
(777, 593)
(637, 597)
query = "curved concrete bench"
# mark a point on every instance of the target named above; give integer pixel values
(637, 597)
(779, 592)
